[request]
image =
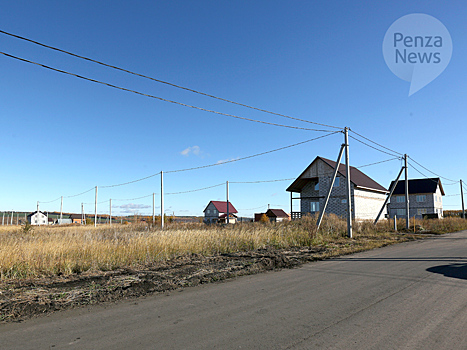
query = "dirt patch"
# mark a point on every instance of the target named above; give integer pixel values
(24, 298)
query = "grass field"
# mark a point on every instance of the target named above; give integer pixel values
(48, 251)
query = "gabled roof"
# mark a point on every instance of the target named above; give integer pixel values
(222, 207)
(358, 178)
(419, 186)
(277, 213)
(34, 212)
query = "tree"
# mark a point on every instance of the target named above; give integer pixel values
(264, 218)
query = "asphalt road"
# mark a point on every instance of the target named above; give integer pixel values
(406, 296)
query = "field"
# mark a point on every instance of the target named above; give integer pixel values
(51, 268)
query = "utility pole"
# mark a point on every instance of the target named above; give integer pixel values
(83, 218)
(462, 199)
(95, 209)
(348, 194)
(228, 218)
(11, 218)
(153, 209)
(110, 212)
(407, 211)
(3, 219)
(37, 215)
(162, 200)
(61, 210)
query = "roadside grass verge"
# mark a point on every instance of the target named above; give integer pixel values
(61, 251)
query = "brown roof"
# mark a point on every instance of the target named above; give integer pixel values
(278, 213)
(358, 178)
(222, 207)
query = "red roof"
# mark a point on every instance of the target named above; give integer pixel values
(222, 207)
(278, 213)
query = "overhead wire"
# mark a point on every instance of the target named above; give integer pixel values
(375, 148)
(442, 177)
(162, 81)
(199, 189)
(366, 138)
(257, 182)
(383, 161)
(157, 97)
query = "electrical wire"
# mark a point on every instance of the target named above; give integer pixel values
(257, 182)
(157, 97)
(366, 144)
(356, 133)
(130, 182)
(252, 156)
(199, 189)
(50, 201)
(383, 161)
(162, 81)
(79, 194)
(442, 177)
(133, 199)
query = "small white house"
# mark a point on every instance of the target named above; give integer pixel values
(38, 218)
(216, 212)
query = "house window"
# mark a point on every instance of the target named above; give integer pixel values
(336, 182)
(208, 211)
(400, 199)
(317, 186)
(421, 198)
(314, 206)
(400, 212)
(344, 201)
(421, 211)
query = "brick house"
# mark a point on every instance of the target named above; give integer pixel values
(425, 198)
(216, 212)
(367, 196)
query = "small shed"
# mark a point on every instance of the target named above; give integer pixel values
(277, 215)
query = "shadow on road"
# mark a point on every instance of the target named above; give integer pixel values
(453, 270)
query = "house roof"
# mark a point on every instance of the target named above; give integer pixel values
(419, 186)
(278, 213)
(75, 216)
(34, 212)
(358, 178)
(222, 207)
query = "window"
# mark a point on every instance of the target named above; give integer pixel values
(421, 198)
(400, 212)
(317, 186)
(314, 206)
(336, 182)
(421, 211)
(208, 211)
(400, 199)
(344, 201)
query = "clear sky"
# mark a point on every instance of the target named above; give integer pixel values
(319, 61)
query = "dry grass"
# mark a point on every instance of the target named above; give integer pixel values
(49, 251)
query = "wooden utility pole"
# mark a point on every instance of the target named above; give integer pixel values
(348, 189)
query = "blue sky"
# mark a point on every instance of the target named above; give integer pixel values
(319, 61)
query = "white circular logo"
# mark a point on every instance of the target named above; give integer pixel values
(417, 48)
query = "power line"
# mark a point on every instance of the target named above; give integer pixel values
(130, 182)
(257, 182)
(432, 171)
(162, 81)
(158, 98)
(383, 161)
(50, 201)
(254, 155)
(199, 189)
(79, 194)
(366, 144)
(356, 133)
(133, 199)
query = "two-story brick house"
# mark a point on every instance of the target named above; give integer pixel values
(367, 196)
(425, 197)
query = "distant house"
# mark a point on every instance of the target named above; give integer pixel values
(38, 218)
(274, 215)
(76, 218)
(216, 212)
(425, 199)
(312, 185)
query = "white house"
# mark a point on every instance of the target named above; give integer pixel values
(312, 185)
(38, 218)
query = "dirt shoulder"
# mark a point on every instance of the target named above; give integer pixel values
(26, 298)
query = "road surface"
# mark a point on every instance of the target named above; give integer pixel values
(406, 296)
